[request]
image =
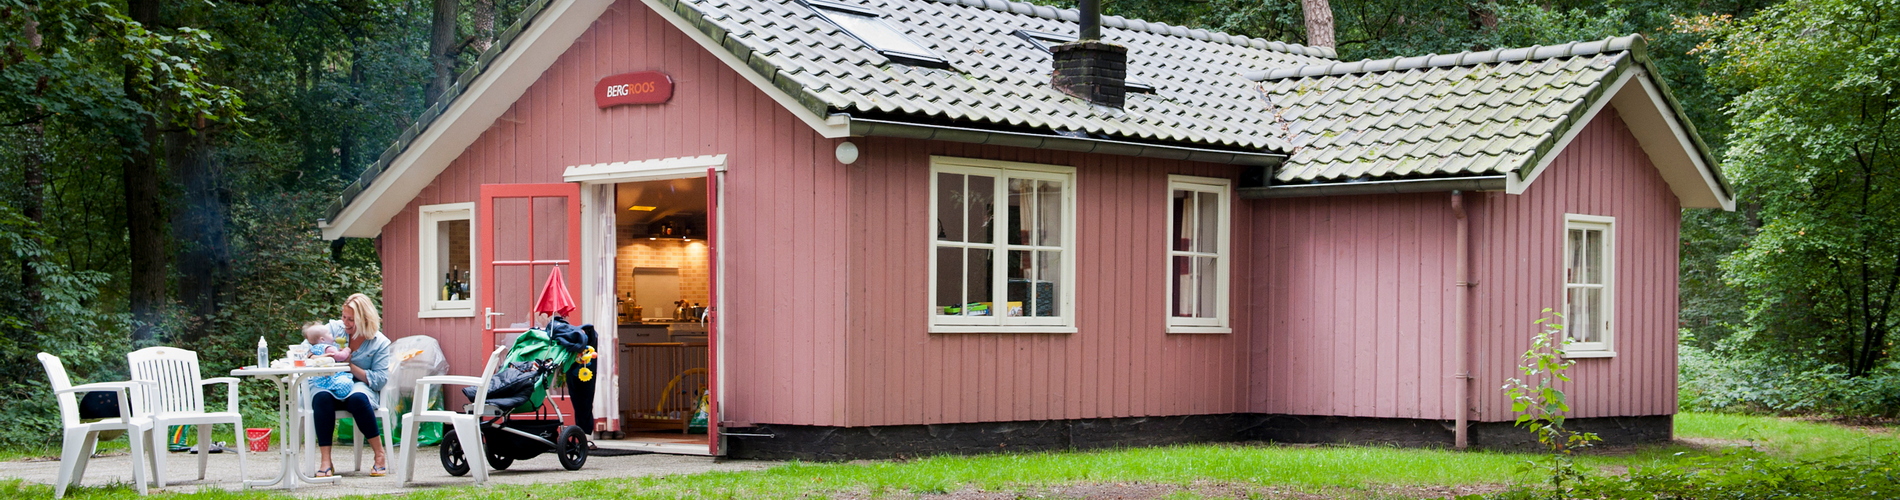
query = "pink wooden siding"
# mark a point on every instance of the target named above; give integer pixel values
(1341, 305)
(1353, 314)
(784, 192)
(1121, 363)
(1603, 172)
(1353, 311)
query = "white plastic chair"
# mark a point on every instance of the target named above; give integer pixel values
(385, 401)
(82, 438)
(468, 426)
(177, 398)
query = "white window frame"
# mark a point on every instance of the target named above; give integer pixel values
(426, 249)
(1605, 348)
(1222, 255)
(1003, 171)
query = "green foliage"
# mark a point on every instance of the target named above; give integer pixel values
(73, 332)
(1813, 154)
(1730, 379)
(282, 276)
(1540, 406)
(1743, 473)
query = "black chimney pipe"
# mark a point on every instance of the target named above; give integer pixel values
(1091, 11)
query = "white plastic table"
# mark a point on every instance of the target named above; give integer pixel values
(289, 392)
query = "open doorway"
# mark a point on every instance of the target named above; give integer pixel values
(662, 287)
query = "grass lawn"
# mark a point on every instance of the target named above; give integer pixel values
(1189, 471)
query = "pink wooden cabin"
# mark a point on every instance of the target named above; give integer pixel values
(911, 242)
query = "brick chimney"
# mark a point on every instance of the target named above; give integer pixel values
(1089, 68)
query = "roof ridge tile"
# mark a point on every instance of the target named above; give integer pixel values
(1632, 42)
(1070, 15)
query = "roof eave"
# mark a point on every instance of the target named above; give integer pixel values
(863, 127)
(449, 127)
(1400, 186)
(1659, 126)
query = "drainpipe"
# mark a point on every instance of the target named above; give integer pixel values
(1460, 311)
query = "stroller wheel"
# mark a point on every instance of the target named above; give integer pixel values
(572, 447)
(499, 462)
(453, 460)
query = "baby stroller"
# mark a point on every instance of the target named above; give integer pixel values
(516, 391)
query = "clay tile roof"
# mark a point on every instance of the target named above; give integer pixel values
(1469, 114)
(1202, 96)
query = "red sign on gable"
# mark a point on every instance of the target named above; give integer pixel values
(645, 87)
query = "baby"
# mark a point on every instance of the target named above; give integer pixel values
(323, 343)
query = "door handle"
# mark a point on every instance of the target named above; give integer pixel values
(488, 317)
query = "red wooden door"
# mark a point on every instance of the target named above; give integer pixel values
(527, 231)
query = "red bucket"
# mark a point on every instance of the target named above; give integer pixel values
(258, 438)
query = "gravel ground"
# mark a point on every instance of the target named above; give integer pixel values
(182, 471)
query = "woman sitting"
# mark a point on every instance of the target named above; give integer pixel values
(369, 366)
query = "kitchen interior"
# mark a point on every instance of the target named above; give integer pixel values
(662, 282)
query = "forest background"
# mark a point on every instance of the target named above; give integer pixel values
(163, 165)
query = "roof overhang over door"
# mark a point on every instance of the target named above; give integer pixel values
(488, 96)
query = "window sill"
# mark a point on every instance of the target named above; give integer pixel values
(1589, 354)
(1199, 329)
(447, 313)
(1000, 329)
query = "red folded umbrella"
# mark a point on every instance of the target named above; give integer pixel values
(554, 298)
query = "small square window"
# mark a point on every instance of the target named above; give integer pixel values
(446, 254)
(1044, 40)
(1589, 271)
(876, 32)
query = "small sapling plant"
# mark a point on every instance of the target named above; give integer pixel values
(1540, 406)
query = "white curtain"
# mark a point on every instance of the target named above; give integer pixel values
(606, 322)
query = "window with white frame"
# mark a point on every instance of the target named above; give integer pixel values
(1589, 284)
(1003, 246)
(1198, 218)
(447, 260)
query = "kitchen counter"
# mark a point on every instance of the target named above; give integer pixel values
(662, 332)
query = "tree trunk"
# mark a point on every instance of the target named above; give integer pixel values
(34, 208)
(144, 220)
(34, 204)
(484, 19)
(1319, 22)
(204, 257)
(441, 38)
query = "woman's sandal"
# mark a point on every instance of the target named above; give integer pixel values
(325, 472)
(378, 471)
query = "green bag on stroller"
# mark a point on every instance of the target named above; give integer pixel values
(536, 358)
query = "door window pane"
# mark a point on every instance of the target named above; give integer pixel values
(512, 219)
(550, 228)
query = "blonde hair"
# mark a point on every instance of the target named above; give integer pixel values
(367, 320)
